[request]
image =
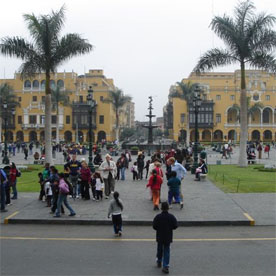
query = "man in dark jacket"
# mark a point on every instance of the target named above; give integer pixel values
(164, 224)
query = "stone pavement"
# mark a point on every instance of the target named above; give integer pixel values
(204, 205)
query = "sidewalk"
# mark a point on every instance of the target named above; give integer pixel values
(204, 205)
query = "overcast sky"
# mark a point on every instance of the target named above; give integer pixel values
(144, 45)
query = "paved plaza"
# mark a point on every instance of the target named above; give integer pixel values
(204, 203)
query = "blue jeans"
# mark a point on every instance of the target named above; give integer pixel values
(163, 251)
(174, 195)
(3, 196)
(63, 198)
(123, 177)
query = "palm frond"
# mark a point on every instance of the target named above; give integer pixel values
(263, 61)
(16, 47)
(213, 58)
(71, 45)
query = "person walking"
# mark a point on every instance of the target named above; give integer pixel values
(164, 224)
(259, 149)
(3, 183)
(62, 197)
(115, 209)
(155, 183)
(180, 173)
(109, 169)
(123, 166)
(140, 164)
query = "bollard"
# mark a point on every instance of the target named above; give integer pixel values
(238, 185)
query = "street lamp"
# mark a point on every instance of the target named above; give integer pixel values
(5, 159)
(196, 105)
(92, 103)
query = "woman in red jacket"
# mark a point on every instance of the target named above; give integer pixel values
(155, 183)
(85, 175)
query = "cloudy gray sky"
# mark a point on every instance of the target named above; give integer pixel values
(144, 45)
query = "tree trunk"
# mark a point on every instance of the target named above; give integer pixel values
(243, 120)
(188, 126)
(57, 125)
(48, 121)
(117, 126)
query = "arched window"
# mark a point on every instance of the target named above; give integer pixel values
(43, 83)
(35, 84)
(27, 84)
(52, 84)
(60, 83)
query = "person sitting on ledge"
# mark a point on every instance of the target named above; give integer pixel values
(202, 169)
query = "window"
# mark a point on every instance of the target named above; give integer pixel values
(204, 97)
(43, 99)
(52, 84)
(19, 99)
(27, 84)
(218, 97)
(42, 119)
(60, 83)
(182, 118)
(267, 97)
(54, 119)
(68, 119)
(101, 98)
(101, 119)
(35, 84)
(218, 118)
(232, 97)
(19, 119)
(81, 99)
(32, 119)
(34, 98)
(256, 97)
(42, 84)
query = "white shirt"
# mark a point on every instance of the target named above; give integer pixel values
(99, 184)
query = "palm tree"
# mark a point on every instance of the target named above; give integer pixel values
(8, 97)
(47, 51)
(118, 100)
(186, 93)
(249, 39)
(59, 97)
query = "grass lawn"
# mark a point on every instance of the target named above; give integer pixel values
(232, 179)
(28, 182)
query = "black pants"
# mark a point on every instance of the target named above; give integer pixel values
(99, 195)
(42, 192)
(85, 189)
(117, 223)
(8, 193)
(93, 188)
(135, 175)
(140, 173)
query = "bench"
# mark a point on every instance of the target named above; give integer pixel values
(38, 162)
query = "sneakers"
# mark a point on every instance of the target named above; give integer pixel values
(72, 214)
(181, 205)
(165, 270)
(106, 197)
(55, 216)
(120, 233)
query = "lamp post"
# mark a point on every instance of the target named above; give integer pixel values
(196, 104)
(5, 158)
(91, 102)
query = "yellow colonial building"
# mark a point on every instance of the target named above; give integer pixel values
(28, 121)
(218, 117)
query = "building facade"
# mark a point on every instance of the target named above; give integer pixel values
(219, 113)
(73, 118)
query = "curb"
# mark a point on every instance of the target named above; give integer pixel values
(125, 222)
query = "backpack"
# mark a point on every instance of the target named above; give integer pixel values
(18, 173)
(63, 187)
